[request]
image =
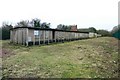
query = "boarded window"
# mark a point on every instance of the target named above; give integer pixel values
(47, 35)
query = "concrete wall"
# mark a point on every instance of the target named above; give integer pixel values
(70, 35)
(39, 35)
(18, 35)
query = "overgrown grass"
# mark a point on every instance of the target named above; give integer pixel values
(90, 58)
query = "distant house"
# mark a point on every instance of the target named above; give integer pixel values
(73, 27)
(91, 33)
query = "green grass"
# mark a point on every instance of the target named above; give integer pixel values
(90, 58)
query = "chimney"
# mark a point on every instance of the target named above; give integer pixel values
(73, 27)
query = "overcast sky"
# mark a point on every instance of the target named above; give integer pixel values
(101, 14)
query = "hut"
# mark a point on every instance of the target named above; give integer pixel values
(36, 36)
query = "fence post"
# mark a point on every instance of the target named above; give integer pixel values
(48, 35)
(11, 34)
(55, 36)
(58, 36)
(27, 37)
(39, 37)
(34, 40)
(44, 36)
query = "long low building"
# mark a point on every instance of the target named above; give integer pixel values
(37, 36)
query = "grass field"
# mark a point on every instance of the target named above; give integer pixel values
(89, 58)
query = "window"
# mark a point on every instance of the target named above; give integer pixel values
(36, 34)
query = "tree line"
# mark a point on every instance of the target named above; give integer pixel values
(5, 28)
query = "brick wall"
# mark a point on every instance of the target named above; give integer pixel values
(73, 27)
